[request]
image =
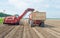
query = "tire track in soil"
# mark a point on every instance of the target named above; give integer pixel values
(33, 33)
(38, 33)
(2, 27)
(29, 32)
(45, 32)
(5, 31)
(56, 29)
(19, 32)
(57, 34)
(11, 33)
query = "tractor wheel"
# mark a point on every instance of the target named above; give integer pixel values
(41, 24)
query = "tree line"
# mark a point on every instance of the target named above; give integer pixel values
(3, 14)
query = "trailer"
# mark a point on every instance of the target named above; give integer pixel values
(37, 18)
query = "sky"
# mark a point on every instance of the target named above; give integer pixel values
(51, 7)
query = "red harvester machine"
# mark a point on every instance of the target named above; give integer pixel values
(14, 19)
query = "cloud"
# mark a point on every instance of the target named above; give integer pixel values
(19, 4)
(58, 6)
(12, 1)
(55, 3)
(1, 10)
(47, 6)
(55, 6)
(33, 1)
(22, 5)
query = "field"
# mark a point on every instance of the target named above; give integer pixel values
(51, 30)
(1, 20)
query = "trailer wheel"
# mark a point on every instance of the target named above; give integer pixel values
(41, 24)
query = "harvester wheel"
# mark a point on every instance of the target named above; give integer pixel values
(3, 23)
(17, 23)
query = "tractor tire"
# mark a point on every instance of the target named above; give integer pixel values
(42, 24)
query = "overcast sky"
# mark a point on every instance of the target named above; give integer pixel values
(51, 7)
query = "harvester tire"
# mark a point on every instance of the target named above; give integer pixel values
(3, 23)
(17, 23)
